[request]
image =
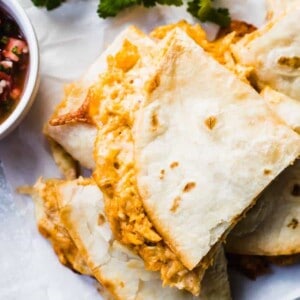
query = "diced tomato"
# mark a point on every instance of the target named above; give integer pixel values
(4, 76)
(15, 93)
(14, 48)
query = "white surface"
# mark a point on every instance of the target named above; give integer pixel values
(70, 39)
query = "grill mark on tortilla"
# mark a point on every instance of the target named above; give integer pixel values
(162, 174)
(154, 121)
(293, 62)
(267, 172)
(174, 164)
(175, 204)
(101, 219)
(293, 223)
(189, 186)
(211, 122)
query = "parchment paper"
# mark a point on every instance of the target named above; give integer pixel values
(70, 38)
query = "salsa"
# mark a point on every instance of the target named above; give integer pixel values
(14, 60)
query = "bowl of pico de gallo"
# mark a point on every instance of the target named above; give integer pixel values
(19, 65)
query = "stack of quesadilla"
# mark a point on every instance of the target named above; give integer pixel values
(271, 228)
(181, 146)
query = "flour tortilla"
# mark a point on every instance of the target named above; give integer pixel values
(206, 146)
(77, 136)
(277, 8)
(51, 227)
(278, 232)
(269, 51)
(286, 108)
(117, 268)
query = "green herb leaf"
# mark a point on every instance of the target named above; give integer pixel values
(201, 9)
(15, 50)
(108, 8)
(4, 40)
(49, 4)
(204, 11)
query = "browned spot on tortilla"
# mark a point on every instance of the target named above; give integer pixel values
(296, 190)
(174, 164)
(162, 174)
(101, 219)
(175, 204)
(211, 122)
(267, 172)
(122, 284)
(293, 223)
(189, 186)
(153, 83)
(154, 121)
(274, 155)
(293, 62)
(81, 115)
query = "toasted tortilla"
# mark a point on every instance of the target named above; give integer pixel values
(198, 116)
(70, 126)
(286, 108)
(51, 227)
(277, 8)
(277, 230)
(273, 52)
(115, 267)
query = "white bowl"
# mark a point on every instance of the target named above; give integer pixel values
(32, 81)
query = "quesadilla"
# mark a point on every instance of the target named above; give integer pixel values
(273, 53)
(70, 126)
(81, 215)
(160, 147)
(272, 227)
(51, 227)
(286, 108)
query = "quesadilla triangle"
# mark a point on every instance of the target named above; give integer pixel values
(271, 227)
(51, 227)
(273, 52)
(286, 108)
(70, 126)
(113, 103)
(186, 129)
(82, 217)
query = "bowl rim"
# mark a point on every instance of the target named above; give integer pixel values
(31, 84)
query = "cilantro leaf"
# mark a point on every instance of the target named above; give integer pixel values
(108, 8)
(49, 4)
(204, 11)
(201, 9)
